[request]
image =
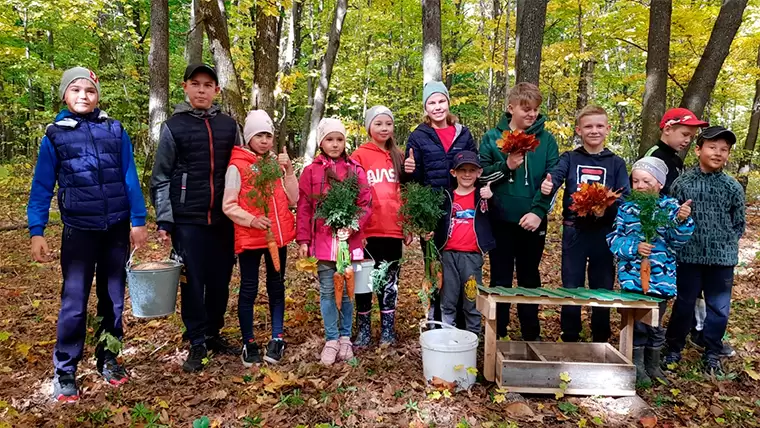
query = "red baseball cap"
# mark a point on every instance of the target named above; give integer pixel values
(681, 116)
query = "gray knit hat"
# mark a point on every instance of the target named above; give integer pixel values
(433, 87)
(654, 166)
(76, 73)
(374, 112)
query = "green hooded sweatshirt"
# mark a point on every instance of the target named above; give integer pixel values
(518, 192)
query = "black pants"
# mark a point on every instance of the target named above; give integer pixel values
(521, 250)
(383, 250)
(250, 260)
(208, 254)
(582, 247)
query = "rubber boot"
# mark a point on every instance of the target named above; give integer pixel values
(642, 378)
(387, 324)
(652, 364)
(363, 329)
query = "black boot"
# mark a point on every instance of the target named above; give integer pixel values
(642, 378)
(387, 325)
(363, 329)
(652, 364)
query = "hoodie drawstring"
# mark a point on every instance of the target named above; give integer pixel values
(526, 169)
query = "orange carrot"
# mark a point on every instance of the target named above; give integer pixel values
(349, 275)
(646, 273)
(274, 252)
(338, 282)
(439, 274)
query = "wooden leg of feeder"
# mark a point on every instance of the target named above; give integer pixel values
(626, 332)
(489, 351)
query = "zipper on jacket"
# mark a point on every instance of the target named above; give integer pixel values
(100, 174)
(211, 174)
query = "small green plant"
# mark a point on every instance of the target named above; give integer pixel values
(141, 413)
(97, 417)
(411, 406)
(463, 423)
(567, 408)
(202, 422)
(293, 399)
(252, 421)
(353, 362)
(111, 342)
(400, 393)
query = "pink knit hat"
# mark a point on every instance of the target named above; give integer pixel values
(257, 121)
(328, 125)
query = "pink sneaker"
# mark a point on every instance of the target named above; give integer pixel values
(329, 352)
(346, 351)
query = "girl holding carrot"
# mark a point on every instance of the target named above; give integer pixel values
(259, 189)
(649, 229)
(383, 162)
(317, 239)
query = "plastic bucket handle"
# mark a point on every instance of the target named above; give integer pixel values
(442, 324)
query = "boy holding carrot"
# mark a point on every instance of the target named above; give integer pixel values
(649, 227)
(259, 189)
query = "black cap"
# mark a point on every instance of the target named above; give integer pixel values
(718, 132)
(193, 69)
(466, 157)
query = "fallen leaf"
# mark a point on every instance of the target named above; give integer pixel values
(519, 410)
(219, 395)
(649, 421)
(753, 374)
(442, 384)
(716, 410)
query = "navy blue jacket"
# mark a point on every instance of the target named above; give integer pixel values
(90, 157)
(433, 162)
(578, 166)
(483, 234)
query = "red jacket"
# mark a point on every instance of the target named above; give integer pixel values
(386, 191)
(283, 221)
(312, 231)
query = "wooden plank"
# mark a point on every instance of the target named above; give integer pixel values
(499, 357)
(615, 355)
(626, 333)
(572, 302)
(532, 347)
(648, 316)
(585, 378)
(489, 350)
(577, 352)
(570, 391)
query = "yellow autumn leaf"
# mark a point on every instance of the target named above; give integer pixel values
(752, 374)
(559, 394)
(564, 377)
(307, 265)
(472, 370)
(675, 392)
(36, 303)
(458, 367)
(23, 349)
(582, 423)
(498, 398)
(435, 395)
(446, 393)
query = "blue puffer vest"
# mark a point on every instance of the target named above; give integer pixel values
(91, 190)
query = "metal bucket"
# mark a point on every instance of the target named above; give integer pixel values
(153, 292)
(362, 272)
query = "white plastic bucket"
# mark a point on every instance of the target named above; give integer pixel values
(362, 272)
(447, 353)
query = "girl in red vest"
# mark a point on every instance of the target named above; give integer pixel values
(383, 163)
(318, 240)
(251, 227)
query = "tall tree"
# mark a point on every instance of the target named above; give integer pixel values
(219, 40)
(265, 56)
(507, 11)
(531, 19)
(703, 81)
(586, 78)
(194, 43)
(158, 61)
(320, 95)
(655, 89)
(749, 144)
(431, 41)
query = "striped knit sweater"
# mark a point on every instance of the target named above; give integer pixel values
(718, 210)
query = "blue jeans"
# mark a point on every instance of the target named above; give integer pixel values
(250, 260)
(715, 282)
(337, 323)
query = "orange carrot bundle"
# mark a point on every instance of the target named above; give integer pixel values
(274, 252)
(593, 199)
(517, 142)
(338, 283)
(349, 275)
(646, 273)
(439, 274)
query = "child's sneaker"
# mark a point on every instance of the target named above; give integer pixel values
(712, 365)
(346, 351)
(194, 361)
(65, 388)
(671, 358)
(219, 345)
(329, 352)
(726, 351)
(275, 351)
(107, 365)
(250, 354)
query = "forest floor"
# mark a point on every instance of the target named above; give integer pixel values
(383, 386)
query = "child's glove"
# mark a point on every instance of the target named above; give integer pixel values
(684, 211)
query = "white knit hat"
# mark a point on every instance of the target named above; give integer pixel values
(257, 121)
(654, 166)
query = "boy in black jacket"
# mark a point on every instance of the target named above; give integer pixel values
(186, 187)
(463, 237)
(584, 238)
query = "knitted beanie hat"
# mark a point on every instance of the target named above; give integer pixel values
(654, 166)
(76, 73)
(257, 121)
(374, 112)
(433, 87)
(328, 125)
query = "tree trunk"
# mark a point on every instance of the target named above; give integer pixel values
(586, 77)
(219, 41)
(749, 144)
(265, 57)
(194, 43)
(507, 13)
(158, 62)
(530, 36)
(305, 124)
(431, 40)
(320, 95)
(703, 81)
(655, 89)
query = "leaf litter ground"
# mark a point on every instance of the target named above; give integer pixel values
(383, 386)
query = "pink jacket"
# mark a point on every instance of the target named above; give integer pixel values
(312, 231)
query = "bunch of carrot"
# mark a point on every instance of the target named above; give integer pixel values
(651, 217)
(264, 176)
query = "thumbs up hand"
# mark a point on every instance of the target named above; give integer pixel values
(486, 192)
(409, 165)
(284, 160)
(547, 186)
(684, 211)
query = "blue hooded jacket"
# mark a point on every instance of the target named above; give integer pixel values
(90, 157)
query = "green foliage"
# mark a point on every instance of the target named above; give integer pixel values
(420, 208)
(202, 422)
(266, 172)
(651, 215)
(567, 408)
(338, 206)
(378, 276)
(111, 342)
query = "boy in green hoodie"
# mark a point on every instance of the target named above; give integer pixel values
(518, 209)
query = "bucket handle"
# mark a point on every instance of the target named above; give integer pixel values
(442, 324)
(171, 254)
